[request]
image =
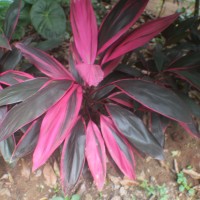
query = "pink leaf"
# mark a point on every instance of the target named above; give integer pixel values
(56, 125)
(124, 14)
(12, 77)
(95, 154)
(44, 62)
(118, 147)
(139, 37)
(91, 74)
(84, 27)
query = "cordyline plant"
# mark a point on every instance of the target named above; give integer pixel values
(89, 108)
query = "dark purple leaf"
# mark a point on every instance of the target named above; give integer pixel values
(119, 20)
(10, 59)
(109, 67)
(191, 77)
(157, 129)
(11, 18)
(194, 106)
(21, 91)
(186, 62)
(73, 156)
(33, 107)
(102, 90)
(121, 98)
(4, 43)
(28, 142)
(7, 147)
(156, 98)
(191, 128)
(135, 131)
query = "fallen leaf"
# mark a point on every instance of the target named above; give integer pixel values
(49, 175)
(192, 173)
(175, 153)
(10, 178)
(176, 166)
(25, 171)
(114, 179)
(56, 168)
(4, 177)
(5, 192)
(128, 182)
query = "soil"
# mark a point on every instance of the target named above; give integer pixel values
(181, 151)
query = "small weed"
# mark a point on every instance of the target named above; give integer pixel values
(157, 191)
(183, 184)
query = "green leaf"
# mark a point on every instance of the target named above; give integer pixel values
(181, 188)
(75, 197)
(48, 18)
(191, 192)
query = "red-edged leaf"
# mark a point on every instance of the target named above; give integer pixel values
(56, 125)
(33, 107)
(156, 98)
(118, 21)
(135, 131)
(11, 18)
(139, 37)
(3, 109)
(190, 60)
(73, 156)
(95, 154)
(158, 128)
(44, 62)
(28, 141)
(191, 128)
(72, 68)
(191, 77)
(21, 91)
(4, 43)
(122, 99)
(12, 77)
(10, 59)
(91, 74)
(6, 146)
(84, 27)
(110, 66)
(118, 147)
